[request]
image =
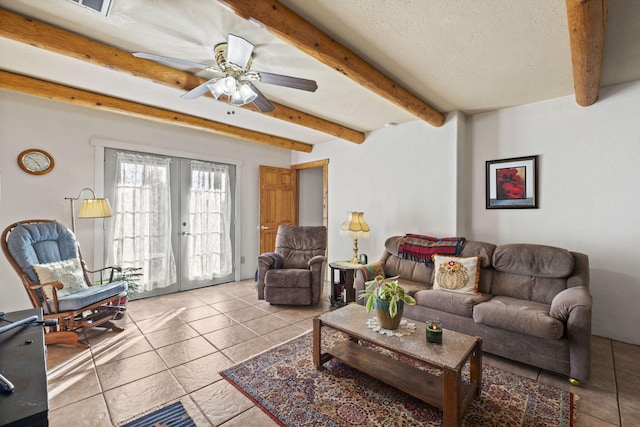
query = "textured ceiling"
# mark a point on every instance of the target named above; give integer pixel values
(465, 55)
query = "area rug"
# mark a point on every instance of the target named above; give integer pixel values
(284, 383)
(173, 415)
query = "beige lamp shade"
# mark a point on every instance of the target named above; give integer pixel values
(356, 228)
(95, 208)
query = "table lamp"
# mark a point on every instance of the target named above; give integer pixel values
(355, 227)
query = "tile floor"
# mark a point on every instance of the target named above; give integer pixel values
(174, 346)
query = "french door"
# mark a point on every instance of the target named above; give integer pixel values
(173, 217)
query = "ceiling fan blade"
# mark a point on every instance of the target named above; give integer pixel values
(159, 58)
(261, 101)
(288, 81)
(239, 51)
(198, 90)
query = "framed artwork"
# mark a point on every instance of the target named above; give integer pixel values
(512, 183)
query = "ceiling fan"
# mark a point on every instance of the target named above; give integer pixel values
(235, 77)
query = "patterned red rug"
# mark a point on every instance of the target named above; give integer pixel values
(284, 383)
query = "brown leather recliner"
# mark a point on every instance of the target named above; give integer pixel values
(295, 272)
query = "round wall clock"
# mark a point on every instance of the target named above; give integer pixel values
(35, 162)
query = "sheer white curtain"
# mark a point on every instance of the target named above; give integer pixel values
(209, 247)
(141, 227)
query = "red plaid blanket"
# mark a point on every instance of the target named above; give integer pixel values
(421, 248)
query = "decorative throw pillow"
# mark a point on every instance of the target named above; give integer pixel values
(68, 272)
(457, 274)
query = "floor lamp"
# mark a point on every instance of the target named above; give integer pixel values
(355, 227)
(90, 208)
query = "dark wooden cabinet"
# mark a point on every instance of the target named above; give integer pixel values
(342, 275)
(23, 362)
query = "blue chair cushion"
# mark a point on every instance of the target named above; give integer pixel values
(41, 243)
(92, 294)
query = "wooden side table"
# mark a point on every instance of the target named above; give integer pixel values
(343, 281)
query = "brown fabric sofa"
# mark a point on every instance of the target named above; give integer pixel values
(534, 304)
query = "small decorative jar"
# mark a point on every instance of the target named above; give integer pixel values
(434, 331)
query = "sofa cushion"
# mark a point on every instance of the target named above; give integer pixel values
(288, 278)
(482, 250)
(457, 274)
(410, 287)
(533, 260)
(408, 269)
(526, 317)
(451, 302)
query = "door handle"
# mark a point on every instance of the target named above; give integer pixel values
(184, 233)
(262, 227)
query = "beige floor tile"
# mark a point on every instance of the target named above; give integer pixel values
(146, 309)
(125, 344)
(306, 324)
(602, 369)
(211, 295)
(251, 298)
(243, 351)
(253, 417)
(598, 403)
(227, 337)
(140, 396)
(282, 335)
(191, 314)
(626, 357)
(221, 401)
(185, 351)
(263, 305)
(230, 305)
(173, 335)
(244, 314)
(584, 420)
(194, 412)
(170, 320)
(201, 372)
(69, 386)
(213, 323)
(90, 412)
(265, 324)
(127, 370)
(293, 315)
(60, 357)
(181, 301)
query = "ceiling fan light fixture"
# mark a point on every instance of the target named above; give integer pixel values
(229, 85)
(216, 88)
(243, 95)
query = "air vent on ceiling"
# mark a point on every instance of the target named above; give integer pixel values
(100, 6)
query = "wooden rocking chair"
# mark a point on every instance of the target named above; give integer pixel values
(42, 242)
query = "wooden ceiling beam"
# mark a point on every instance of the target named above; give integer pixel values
(587, 23)
(42, 35)
(286, 24)
(69, 95)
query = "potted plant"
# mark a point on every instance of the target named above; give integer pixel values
(130, 275)
(388, 298)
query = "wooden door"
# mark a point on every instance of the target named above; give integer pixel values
(278, 203)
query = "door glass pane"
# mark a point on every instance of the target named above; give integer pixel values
(141, 226)
(209, 251)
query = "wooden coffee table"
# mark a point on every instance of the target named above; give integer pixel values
(446, 391)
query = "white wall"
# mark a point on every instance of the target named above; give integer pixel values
(589, 173)
(65, 132)
(403, 178)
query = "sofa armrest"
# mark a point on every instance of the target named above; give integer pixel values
(266, 259)
(366, 273)
(318, 259)
(566, 301)
(265, 263)
(573, 307)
